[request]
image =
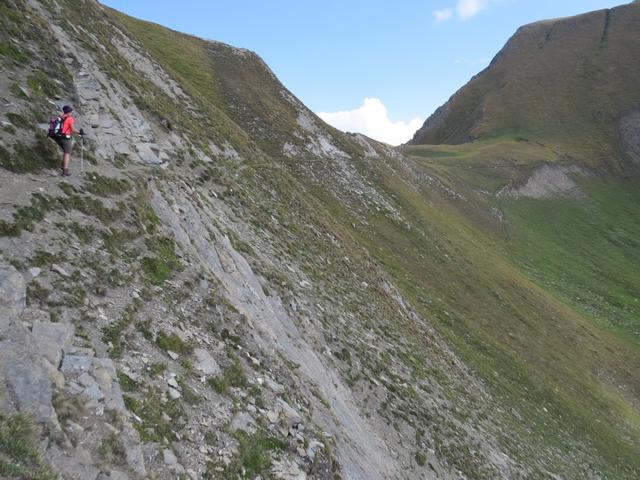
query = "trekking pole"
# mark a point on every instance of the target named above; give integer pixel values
(82, 155)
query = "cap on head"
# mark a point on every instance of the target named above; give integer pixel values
(67, 109)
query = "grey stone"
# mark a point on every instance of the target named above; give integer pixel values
(174, 394)
(206, 363)
(289, 412)
(27, 379)
(51, 339)
(35, 271)
(122, 148)
(274, 386)
(285, 470)
(151, 153)
(79, 351)
(273, 416)
(173, 383)
(59, 270)
(93, 392)
(169, 457)
(76, 363)
(13, 293)
(242, 421)
(86, 380)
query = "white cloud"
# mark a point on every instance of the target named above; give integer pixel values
(443, 15)
(372, 119)
(465, 10)
(470, 8)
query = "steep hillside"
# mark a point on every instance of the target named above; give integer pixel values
(233, 289)
(570, 83)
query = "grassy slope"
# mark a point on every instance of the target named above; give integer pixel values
(528, 344)
(586, 251)
(234, 83)
(535, 350)
(560, 81)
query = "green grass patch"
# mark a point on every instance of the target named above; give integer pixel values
(161, 266)
(155, 427)
(30, 158)
(107, 186)
(233, 376)
(126, 382)
(254, 454)
(17, 91)
(25, 218)
(586, 251)
(42, 84)
(10, 51)
(19, 120)
(19, 455)
(112, 451)
(172, 342)
(115, 335)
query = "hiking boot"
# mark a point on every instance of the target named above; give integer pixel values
(65, 172)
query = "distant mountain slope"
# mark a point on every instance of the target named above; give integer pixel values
(570, 82)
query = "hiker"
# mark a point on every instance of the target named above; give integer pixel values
(61, 130)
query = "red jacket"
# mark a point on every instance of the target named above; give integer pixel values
(67, 126)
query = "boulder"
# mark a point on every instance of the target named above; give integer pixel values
(52, 339)
(151, 153)
(206, 363)
(13, 293)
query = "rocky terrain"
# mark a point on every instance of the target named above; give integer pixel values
(227, 287)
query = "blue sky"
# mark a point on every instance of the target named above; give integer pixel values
(407, 57)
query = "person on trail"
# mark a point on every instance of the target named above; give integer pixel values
(64, 140)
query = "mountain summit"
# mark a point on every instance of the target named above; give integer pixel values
(572, 82)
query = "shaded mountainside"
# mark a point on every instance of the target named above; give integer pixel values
(571, 83)
(234, 289)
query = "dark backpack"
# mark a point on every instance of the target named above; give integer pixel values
(55, 126)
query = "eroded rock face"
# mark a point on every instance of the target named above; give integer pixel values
(13, 293)
(629, 130)
(548, 181)
(33, 375)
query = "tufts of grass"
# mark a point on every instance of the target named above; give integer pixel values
(233, 376)
(126, 382)
(19, 455)
(42, 84)
(107, 186)
(19, 120)
(112, 451)
(143, 212)
(150, 409)
(172, 342)
(17, 91)
(115, 334)
(10, 51)
(161, 266)
(41, 258)
(25, 218)
(254, 454)
(30, 158)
